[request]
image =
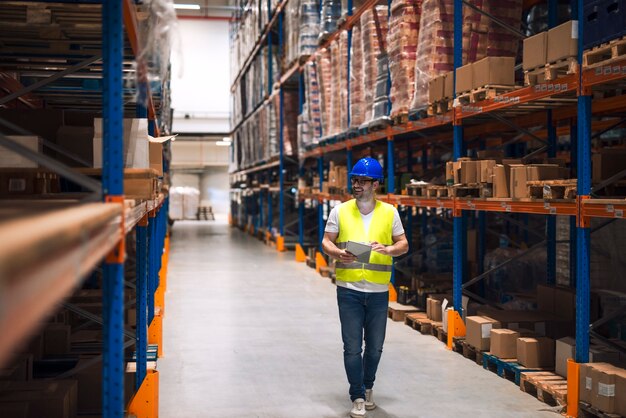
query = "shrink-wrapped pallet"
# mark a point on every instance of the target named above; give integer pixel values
(309, 26)
(339, 82)
(481, 37)
(357, 115)
(402, 48)
(331, 12)
(372, 43)
(313, 101)
(322, 59)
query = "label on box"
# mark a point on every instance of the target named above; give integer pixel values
(574, 29)
(606, 390)
(588, 383)
(17, 185)
(486, 330)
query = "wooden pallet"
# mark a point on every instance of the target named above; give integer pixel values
(465, 190)
(411, 318)
(440, 107)
(437, 191)
(440, 333)
(488, 92)
(400, 118)
(416, 190)
(379, 124)
(417, 114)
(585, 410)
(552, 189)
(457, 344)
(548, 387)
(423, 325)
(326, 271)
(605, 54)
(472, 353)
(550, 71)
(397, 312)
(508, 369)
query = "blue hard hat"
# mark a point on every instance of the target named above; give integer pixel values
(367, 167)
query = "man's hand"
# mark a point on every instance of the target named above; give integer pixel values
(346, 257)
(379, 248)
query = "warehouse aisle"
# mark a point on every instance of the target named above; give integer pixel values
(252, 333)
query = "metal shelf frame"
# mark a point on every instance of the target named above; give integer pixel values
(107, 240)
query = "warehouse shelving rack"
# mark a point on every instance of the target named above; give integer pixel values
(566, 99)
(36, 279)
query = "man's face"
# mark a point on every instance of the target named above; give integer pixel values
(363, 188)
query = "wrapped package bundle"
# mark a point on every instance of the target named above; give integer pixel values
(339, 81)
(313, 101)
(309, 26)
(498, 42)
(357, 115)
(402, 48)
(372, 47)
(322, 59)
(331, 12)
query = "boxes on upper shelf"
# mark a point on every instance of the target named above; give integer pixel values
(535, 51)
(562, 41)
(493, 71)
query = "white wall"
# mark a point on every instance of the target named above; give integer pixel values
(201, 77)
(214, 188)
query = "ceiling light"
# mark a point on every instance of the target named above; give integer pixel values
(226, 139)
(187, 6)
(223, 143)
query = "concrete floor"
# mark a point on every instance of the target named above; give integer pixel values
(249, 332)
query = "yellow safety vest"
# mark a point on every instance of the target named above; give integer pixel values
(351, 228)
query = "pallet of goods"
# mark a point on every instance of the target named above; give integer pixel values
(373, 36)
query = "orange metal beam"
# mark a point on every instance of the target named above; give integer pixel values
(604, 208)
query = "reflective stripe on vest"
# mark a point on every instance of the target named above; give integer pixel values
(351, 228)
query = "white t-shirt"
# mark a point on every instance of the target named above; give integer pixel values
(332, 226)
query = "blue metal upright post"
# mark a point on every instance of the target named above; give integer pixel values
(459, 221)
(583, 231)
(553, 10)
(152, 245)
(113, 191)
(349, 168)
(349, 113)
(391, 180)
(301, 213)
(281, 167)
(320, 205)
(572, 221)
(142, 300)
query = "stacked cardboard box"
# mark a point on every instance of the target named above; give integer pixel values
(468, 171)
(603, 386)
(357, 115)
(372, 49)
(488, 39)
(566, 349)
(478, 331)
(402, 48)
(338, 176)
(487, 71)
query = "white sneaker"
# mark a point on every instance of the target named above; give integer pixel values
(358, 408)
(369, 399)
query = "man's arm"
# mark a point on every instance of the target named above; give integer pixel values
(329, 247)
(400, 246)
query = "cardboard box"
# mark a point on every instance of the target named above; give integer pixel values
(450, 172)
(604, 378)
(448, 85)
(500, 182)
(504, 343)
(436, 89)
(486, 170)
(478, 331)
(607, 163)
(535, 352)
(56, 340)
(50, 399)
(565, 349)
(563, 41)
(493, 71)
(585, 382)
(136, 148)
(464, 79)
(535, 51)
(519, 177)
(11, 159)
(435, 310)
(470, 172)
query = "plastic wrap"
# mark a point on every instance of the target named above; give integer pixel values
(357, 115)
(402, 48)
(339, 93)
(175, 209)
(322, 60)
(309, 26)
(481, 38)
(331, 12)
(371, 45)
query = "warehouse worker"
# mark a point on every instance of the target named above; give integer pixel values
(363, 288)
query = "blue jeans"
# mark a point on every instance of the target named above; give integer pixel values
(362, 314)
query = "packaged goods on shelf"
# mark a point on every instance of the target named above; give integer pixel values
(402, 48)
(356, 4)
(301, 30)
(184, 202)
(339, 92)
(331, 12)
(373, 46)
(603, 386)
(357, 116)
(10, 159)
(136, 143)
(481, 38)
(312, 109)
(290, 120)
(324, 77)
